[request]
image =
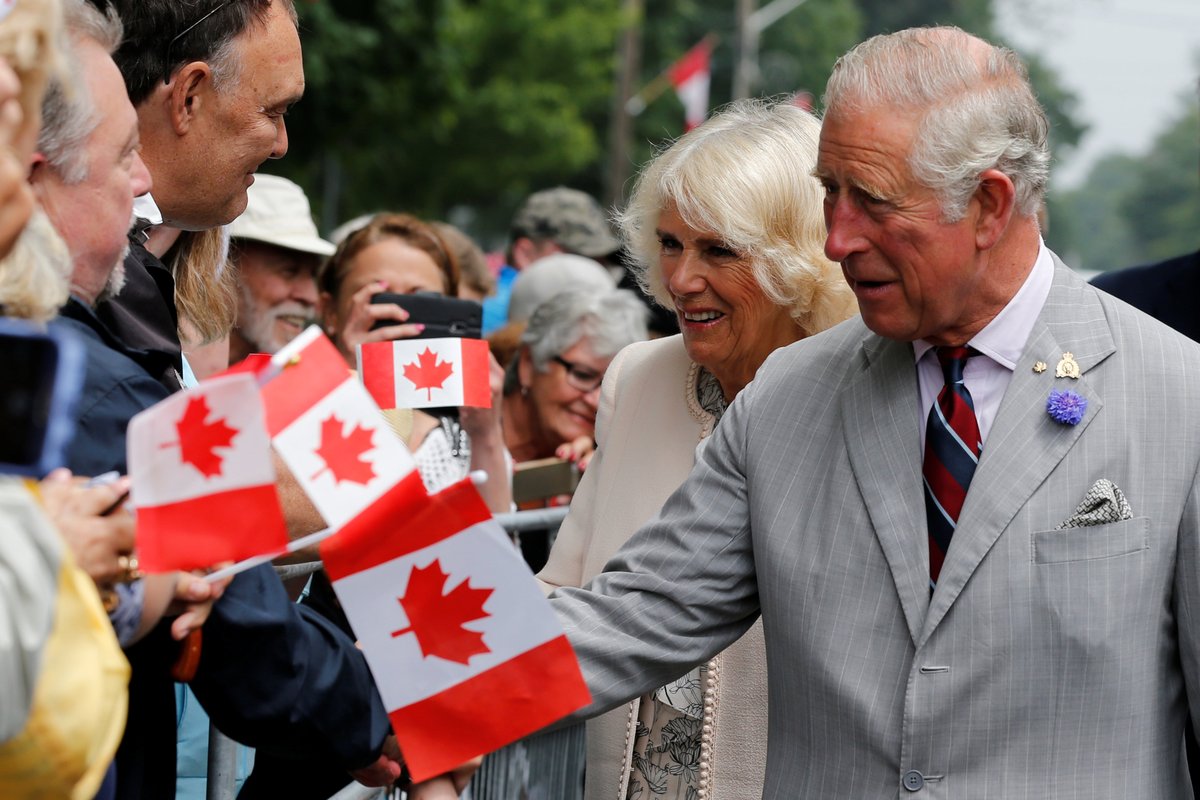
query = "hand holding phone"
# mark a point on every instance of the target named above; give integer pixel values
(440, 316)
(360, 324)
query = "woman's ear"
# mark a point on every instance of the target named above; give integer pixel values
(525, 368)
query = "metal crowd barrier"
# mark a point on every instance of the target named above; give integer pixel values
(558, 755)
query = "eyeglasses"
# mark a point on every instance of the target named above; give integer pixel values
(183, 33)
(581, 378)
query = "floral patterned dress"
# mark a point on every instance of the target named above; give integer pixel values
(666, 748)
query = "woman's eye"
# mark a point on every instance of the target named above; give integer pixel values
(667, 243)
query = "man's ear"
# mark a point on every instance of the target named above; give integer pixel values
(39, 171)
(189, 91)
(997, 198)
(524, 252)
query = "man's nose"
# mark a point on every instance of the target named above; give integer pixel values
(842, 227)
(139, 179)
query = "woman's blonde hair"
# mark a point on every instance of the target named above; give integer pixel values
(746, 175)
(206, 286)
(34, 275)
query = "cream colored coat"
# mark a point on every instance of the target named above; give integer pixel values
(648, 426)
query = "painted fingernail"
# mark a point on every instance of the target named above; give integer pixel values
(420, 327)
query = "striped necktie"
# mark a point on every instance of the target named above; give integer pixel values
(952, 448)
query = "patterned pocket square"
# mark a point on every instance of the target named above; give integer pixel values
(1102, 504)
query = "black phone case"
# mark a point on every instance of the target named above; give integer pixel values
(442, 316)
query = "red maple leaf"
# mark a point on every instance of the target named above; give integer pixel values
(437, 619)
(426, 373)
(199, 440)
(342, 453)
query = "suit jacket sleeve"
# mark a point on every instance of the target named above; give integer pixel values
(682, 589)
(279, 677)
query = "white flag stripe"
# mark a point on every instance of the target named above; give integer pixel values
(407, 353)
(156, 460)
(341, 501)
(520, 619)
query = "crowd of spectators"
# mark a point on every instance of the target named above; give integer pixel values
(137, 227)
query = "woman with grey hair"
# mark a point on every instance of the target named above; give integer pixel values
(726, 228)
(552, 387)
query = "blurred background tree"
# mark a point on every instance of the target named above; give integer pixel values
(1135, 209)
(457, 109)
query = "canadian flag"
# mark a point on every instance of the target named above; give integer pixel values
(426, 373)
(254, 363)
(329, 432)
(691, 76)
(465, 650)
(202, 479)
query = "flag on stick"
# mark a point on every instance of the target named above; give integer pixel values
(202, 481)
(329, 432)
(465, 650)
(691, 77)
(426, 373)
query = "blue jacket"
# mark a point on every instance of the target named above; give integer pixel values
(272, 675)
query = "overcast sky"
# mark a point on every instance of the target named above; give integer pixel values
(1127, 61)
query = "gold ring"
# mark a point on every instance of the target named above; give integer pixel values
(127, 568)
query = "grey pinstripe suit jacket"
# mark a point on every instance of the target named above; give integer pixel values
(1048, 664)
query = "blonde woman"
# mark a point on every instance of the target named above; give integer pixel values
(726, 228)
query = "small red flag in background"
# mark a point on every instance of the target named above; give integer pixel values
(691, 76)
(465, 650)
(202, 479)
(426, 373)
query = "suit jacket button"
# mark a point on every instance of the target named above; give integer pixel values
(913, 780)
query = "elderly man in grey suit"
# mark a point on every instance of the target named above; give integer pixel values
(968, 519)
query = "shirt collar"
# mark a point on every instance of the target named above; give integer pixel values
(1004, 338)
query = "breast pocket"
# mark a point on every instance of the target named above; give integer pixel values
(1092, 542)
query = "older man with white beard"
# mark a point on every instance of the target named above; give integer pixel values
(277, 250)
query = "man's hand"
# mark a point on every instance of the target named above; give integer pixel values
(193, 602)
(448, 786)
(385, 770)
(98, 541)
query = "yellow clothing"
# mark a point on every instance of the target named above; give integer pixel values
(80, 695)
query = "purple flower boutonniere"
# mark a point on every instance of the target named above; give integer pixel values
(1066, 407)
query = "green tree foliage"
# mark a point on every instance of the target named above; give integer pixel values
(796, 54)
(1136, 209)
(426, 104)
(434, 105)
(1163, 207)
(888, 16)
(1086, 226)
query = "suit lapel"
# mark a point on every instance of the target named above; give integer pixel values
(1025, 444)
(879, 419)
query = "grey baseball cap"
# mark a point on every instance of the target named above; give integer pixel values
(569, 217)
(278, 213)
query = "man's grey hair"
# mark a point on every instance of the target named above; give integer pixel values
(978, 110)
(607, 320)
(69, 113)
